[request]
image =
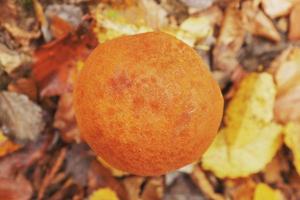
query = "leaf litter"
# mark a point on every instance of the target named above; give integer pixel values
(251, 47)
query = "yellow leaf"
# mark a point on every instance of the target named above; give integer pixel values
(292, 140)
(250, 139)
(104, 194)
(264, 192)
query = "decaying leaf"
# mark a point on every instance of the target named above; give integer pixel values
(294, 32)
(10, 60)
(250, 139)
(277, 8)
(20, 117)
(64, 119)
(6, 145)
(230, 40)
(104, 194)
(263, 192)
(292, 140)
(53, 70)
(258, 23)
(286, 71)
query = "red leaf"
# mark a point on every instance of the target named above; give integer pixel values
(56, 60)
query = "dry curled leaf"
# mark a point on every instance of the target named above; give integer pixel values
(258, 23)
(230, 40)
(292, 140)
(240, 189)
(294, 30)
(286, 71)
(20, 117)
(263, 192)
(250, 139)
(133, 187)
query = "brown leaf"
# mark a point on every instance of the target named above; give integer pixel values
(65, 119)
(294, 31)
(258, 23)
(133, 186)
(53, 70)
(230, 40)
(24, 86)
(204, 185)
(274, 170)
(20, 117)
(15, 188)
(19, 22)
(153, 189)
(240, 189)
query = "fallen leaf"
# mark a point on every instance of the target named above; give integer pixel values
(286, 72)
(263, 192)
(250, 139)
(294, 31)
(198, 3)
(18, 21)
(6, 145)
(292, 140)
(277, 8)
(273, 173)
(133, 187)
(10, 60)
(78, 161)
(53, 70)
(200, 179)
(230, 40)
(99, 177)
(183, 188)
(20, 117)
(104, 194)
(15, 188)
(64, 119)
(153, 189)
(63, 18)
(257, 23)
(24, 86)
(155, 15)
(240, 189)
